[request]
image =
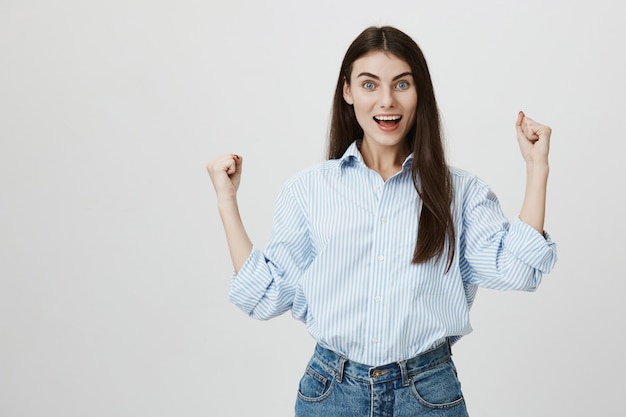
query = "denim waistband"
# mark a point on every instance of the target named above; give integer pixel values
(383, 373)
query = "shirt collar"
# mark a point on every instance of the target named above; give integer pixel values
(352, 156)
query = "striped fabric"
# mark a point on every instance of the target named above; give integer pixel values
(340, 258)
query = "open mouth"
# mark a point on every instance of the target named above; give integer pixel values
(388, 121)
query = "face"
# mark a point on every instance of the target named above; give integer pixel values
(384, 98)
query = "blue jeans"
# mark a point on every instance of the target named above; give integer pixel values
(426, 385)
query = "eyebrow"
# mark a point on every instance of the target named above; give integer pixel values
(376, 77)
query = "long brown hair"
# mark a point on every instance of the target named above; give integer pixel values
(431, 176)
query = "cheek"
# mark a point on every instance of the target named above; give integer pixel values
(411, 102)
(361, 118)
(362, 110)
(411, 108)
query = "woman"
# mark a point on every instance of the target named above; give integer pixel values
(380, 249)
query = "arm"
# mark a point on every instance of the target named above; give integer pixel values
(495, 253)
(225, 173)
(511, 256)
(534, 143)
(265, 283)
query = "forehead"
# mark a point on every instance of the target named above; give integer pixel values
(380, 63)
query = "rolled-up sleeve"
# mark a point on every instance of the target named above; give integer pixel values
(499, 254)
(266, 284)
(531, 247)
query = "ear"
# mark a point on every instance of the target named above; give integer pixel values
(347, 94)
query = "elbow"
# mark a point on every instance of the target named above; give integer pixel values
(262, 310)
(258, 314)
(524, 280)
(265, 312)
(530, 287)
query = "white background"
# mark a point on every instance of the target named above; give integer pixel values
(114, 271)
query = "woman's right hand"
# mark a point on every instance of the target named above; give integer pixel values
(225, 173)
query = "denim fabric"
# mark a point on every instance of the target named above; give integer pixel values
(426, 385)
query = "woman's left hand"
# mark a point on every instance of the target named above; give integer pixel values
(533, 139)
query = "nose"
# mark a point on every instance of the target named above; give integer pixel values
(387, 98)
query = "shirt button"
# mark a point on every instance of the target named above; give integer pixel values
(380, 257)
(374, 340)
(378, 298)
(383, 220)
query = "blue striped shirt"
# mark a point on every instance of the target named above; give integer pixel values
(340, 253)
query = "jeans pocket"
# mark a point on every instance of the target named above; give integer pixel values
(438, 387)
(316, 384)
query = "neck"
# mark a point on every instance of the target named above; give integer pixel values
(386, 160)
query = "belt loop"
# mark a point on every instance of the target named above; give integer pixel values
(404, 372)
(342, 365)
(449, 345)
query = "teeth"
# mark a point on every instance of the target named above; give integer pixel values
(387, 117)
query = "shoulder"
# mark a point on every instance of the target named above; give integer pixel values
(310, 183)
(468, 185)
(312, 175)
(460, 177)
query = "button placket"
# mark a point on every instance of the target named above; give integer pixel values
(380, 250)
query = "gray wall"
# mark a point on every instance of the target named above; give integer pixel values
(114, 271)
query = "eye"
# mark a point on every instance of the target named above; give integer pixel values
(402, 85)
(368, 85)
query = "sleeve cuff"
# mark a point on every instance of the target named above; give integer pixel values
(248, 286)
(531, 247)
